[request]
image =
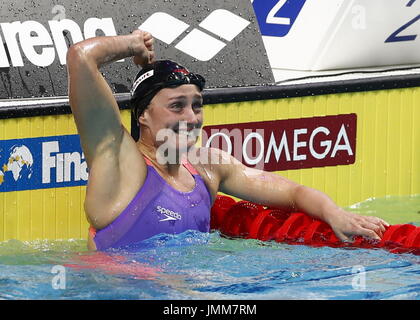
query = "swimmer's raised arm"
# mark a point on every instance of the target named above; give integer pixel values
(93, 105)
(275, 191)
(117, 169)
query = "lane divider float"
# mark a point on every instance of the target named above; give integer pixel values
(248, 220)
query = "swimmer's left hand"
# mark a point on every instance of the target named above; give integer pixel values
(347, 224)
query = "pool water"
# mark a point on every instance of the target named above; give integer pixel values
(194, 265)
(394, 209)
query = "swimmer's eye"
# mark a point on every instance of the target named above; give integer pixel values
(197, 107)
(177, 106)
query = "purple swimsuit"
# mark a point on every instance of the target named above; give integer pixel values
(158, 208)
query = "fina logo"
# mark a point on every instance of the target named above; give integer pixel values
(42, 163)
(197, 43)
(19, 164)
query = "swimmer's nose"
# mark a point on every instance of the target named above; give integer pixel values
(190, 116)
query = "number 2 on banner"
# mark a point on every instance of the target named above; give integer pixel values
(272, 19)
(277, 17)
(396, 37)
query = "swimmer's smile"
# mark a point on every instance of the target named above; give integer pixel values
(191, 132)
(184, 129)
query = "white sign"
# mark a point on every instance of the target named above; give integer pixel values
(314, 35)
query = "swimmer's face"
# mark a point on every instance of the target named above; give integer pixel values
(175, 113)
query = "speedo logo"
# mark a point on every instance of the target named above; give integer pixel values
(198, 44)
(169, 214)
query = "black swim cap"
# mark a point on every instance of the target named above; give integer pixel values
(156, 76)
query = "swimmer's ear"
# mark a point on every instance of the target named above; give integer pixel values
(142, 119)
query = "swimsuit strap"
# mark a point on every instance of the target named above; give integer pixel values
(92, 231)
(148, 162)
(189, 167)
(185, 163)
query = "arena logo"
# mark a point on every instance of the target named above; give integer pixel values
(197, 43)
(39, 45)
(40, 163)
(288, 144)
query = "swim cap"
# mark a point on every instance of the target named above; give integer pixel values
(156, 76)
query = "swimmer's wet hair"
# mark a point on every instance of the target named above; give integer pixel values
(156, 76)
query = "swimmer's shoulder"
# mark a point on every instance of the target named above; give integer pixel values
(210, 156)
(212, 165)
(214, 159)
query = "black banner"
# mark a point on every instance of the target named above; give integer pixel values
(219, 39)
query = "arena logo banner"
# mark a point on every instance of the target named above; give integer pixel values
(219, 39)
(288, 144)
(318, 35)
(41, 163)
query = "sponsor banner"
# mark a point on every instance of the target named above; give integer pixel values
(42, 163)
(288, 144)
(218, 39)
(313, 35)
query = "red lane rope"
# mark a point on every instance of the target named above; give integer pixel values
(245, 219)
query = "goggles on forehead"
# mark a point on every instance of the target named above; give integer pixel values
(173, 79)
